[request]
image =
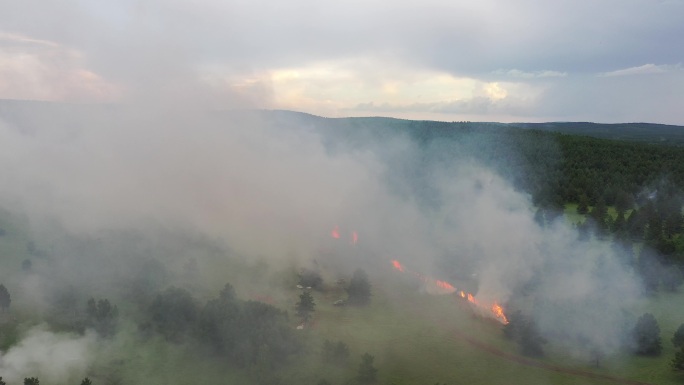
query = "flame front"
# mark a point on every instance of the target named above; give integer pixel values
(397, 265)
(499, 313)
(335, 233)
(495, 310)
(444, 285)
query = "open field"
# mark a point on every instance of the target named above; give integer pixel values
(572, 216)
(416, 338)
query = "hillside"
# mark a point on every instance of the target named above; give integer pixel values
(23, 113)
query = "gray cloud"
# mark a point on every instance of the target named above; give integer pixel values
(514, 73)
(161, 49)
(645, 69)
(648, 97)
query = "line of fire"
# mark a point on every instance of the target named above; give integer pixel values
(353, 237)
(495, 310)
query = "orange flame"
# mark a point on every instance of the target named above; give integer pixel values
(496, 310)
(335, 233)
(499, 313)
(397, 265)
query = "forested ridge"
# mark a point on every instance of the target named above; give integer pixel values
(640, 180)
(555, 167)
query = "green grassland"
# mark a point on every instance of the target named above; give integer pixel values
(570, 212)
(415, 337)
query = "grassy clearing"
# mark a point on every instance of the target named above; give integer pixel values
(414, 342)
(412, 336)
(571, 214)
(570, 211)
(668, 309)
(410, 333)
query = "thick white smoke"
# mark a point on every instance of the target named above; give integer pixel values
(276, 193)
(55, 357)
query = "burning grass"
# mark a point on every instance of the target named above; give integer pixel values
(417, 338)
(494, 309)
(411, 334)
(414, 342)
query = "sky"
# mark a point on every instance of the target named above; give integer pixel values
(452, 60)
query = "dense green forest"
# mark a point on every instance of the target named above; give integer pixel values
(641, 181)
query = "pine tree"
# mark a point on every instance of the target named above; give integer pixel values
(620, 224)
(5, 298)
(600, 216)
(367, 372)
(647, 336)
(305, 306)
(359, 290)
(678, 360)
(583, 206)
(678, 338)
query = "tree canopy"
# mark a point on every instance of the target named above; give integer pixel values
(5, 299)
(305, 306)
(678, 338)
(102, 316)
(678, 360)
(367, 372)
(246, 332)
(646, 334)
(359, 289)
(173, 313)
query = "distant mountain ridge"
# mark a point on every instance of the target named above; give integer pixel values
(24, 113)
(638, 132)
(641, 132)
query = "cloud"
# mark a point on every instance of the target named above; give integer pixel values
(514, 73)
(504, 100)
(333, 88)
(646, 69)
(45, 70)
(610, 99)
(218, 54)
(17, 39)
